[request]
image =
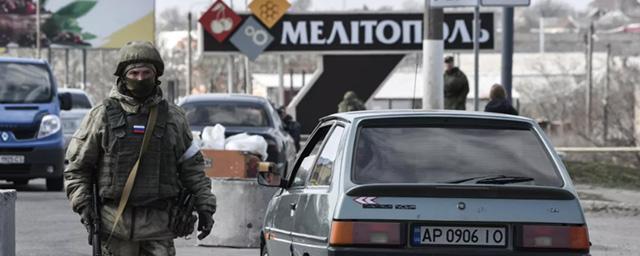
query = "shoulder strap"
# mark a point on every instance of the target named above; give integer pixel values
(115, 114)
(128, 187)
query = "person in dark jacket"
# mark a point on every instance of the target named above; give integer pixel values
(498, 101)
(291, 126)
(456, 86)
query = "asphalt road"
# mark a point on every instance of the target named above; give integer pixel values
(45, 224)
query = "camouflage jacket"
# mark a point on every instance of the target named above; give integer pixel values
(86, 153)
(456, 88)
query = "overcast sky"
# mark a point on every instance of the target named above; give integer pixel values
(318, 5)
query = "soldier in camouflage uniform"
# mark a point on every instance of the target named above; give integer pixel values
(107, 145)
(456, 86)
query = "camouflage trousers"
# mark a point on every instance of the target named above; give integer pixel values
(118, 247)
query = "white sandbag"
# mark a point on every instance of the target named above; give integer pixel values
(213, 137)
(250, 143)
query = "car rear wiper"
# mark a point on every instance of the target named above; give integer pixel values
(498, 179)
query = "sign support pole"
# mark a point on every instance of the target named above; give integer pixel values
(280, 80)
(507, 51)
(476, 57)
(432, 58)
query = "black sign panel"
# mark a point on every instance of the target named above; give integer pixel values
(364, 32)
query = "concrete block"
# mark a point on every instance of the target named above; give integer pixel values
(7, 222)
(241, 207)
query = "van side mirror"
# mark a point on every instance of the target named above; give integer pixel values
(65, 101)
(268, 176)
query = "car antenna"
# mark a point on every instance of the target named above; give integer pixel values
(415, 81)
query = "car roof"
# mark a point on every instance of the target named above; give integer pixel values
(224, 97)
(22, 60)
(376, 114)
(72, 90)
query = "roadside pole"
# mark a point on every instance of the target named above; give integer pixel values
(230, 74)
(589, 75)
(432, 58)
(189, 52)
(605, 102)
(38, 29)
(507, 51)
(84, 69)
(476, 57)
(280, 80)
(66, 67)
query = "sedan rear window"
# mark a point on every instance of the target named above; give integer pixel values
(227, 114)
(452, 154)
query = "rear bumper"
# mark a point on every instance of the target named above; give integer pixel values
(40, 161)
(333, 251)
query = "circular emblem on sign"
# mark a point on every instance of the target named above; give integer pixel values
(461, 206)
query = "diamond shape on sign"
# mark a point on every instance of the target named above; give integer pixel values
(251, 38)
(269, 11)
(219, 21)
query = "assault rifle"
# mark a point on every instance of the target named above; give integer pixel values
(95, 227)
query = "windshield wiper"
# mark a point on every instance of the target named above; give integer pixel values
(498, 179)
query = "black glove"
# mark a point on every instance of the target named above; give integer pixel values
(86, 215)
(87, 218)
(205, 223)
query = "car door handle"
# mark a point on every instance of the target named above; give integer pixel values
(293, 206)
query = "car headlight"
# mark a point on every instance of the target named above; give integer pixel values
(49, 125)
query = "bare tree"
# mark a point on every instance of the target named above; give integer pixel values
(171, 19)
(301, 5)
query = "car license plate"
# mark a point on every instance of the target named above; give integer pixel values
(465, 236)
(11, 159)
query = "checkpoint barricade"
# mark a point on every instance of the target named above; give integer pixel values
(241, 201)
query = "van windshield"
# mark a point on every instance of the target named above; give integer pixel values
(458, 154)
(24, 83)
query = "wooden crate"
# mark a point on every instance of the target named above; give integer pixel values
(229, 164)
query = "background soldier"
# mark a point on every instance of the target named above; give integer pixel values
(350, 102)
(108, 144)
(456, 86)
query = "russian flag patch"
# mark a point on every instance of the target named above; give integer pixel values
(138, 129)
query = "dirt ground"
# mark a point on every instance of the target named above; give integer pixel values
(613, 217)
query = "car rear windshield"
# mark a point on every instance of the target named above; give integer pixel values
(445, 153)
(227, 114)
(24, 83)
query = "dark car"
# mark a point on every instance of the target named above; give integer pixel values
(424, 183)
(242, 113)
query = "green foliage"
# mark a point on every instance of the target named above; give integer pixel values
(604, 174)
(88, 36)
(76, 9)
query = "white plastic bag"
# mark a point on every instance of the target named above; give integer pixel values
(251, 143)
(213, 137)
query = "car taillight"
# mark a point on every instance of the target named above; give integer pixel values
(555, 237)
(365, 233)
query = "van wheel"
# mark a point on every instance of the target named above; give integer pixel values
(55, 184)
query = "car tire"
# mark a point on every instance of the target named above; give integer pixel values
(55, 184)
(20, 182)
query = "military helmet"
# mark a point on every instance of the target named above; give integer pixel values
(136, 52)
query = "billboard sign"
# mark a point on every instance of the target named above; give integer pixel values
(379, 32)
(78, 23)
(453, 3)
(219, 21)
(505, 2)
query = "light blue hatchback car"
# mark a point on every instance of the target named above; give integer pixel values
(424, 183)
